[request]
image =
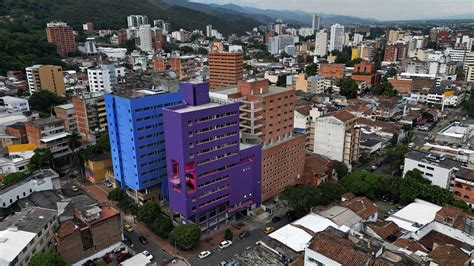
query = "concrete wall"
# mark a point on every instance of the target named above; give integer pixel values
(329, 138)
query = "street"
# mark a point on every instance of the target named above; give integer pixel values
(155, 250)
(238, 245)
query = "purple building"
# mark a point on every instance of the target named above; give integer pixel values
(211, 176)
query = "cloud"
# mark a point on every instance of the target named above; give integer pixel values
(379, 9)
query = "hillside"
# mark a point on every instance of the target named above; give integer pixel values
(112, 14)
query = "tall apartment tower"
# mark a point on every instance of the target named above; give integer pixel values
(62, 36)
(211, 176)
(316, 22)
(135, 21)
(321, 46)
(337, 137)
(144, 34)
(137, 141)
(225, 68)
(209, 31)
(91, 119)
(267, 118)
(336, 41)
(47, 77)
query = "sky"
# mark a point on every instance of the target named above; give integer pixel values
(378, 9)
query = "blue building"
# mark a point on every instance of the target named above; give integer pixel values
(137, 141)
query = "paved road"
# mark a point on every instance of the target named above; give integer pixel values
(155, 250)
(238, 245)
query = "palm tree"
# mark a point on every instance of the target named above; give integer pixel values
(74, 141)
(77, 158)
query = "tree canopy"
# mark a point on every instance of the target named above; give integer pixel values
(185, 236)
(349, 88)
(340, 169)
(41, 157)
(44, 101)
(311, 70)
(148, 212)
(162, 226)
(46, 259)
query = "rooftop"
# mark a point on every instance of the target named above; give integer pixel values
(66, 106)
(338, 248)
(362, 206)
(30, 220)
(341, 216)
(45, 121)
(433, 159)
(415, 215)
(445, 254)
(190, 108)
(44, 173)
(384, 229)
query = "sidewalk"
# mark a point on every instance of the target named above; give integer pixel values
(208, 241)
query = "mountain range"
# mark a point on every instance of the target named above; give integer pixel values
(270, 15)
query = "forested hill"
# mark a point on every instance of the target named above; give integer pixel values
(22, 23)
(112, 14)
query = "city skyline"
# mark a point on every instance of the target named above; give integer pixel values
(408, 10)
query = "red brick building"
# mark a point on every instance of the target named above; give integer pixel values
(225, 69)
(331, 71)
(62, 36)
(365, 71)
(17, 130)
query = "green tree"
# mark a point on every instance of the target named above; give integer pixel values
(329, 192)
(469, 105)
(202, 51)
(281, 82)
(349, 88)
(228, 235)
(394, 140)
(41, 157)
(185, 236)
(340, 169)
(148, 212)
(46, 259)
(162, 226)
(311, 70)
(395, 156)
(12, 178)
(74, 141)
(43, 101)
(361, 183)
(301, 198)
(130, 45)
(116, 194)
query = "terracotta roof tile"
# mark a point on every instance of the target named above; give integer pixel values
(344, 116)
(362, 206)
(448, 255)
(338, 249)
(452, 216)
(384, 229)
(410, 244)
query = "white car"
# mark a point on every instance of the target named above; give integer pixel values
(204, 254)
(148, 255)
(225, 244)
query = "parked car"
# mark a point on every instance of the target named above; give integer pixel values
(291, 215)
(244, 234)
(225, 244)
(204, 254)
(142, 240)
(74, 188)
(108, 183)
(268, 230)
(276, 219)
(127, 227)
(127, 241)
(411, 145)
(148, 255)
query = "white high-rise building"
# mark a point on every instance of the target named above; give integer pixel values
(358, 38)
(144, 33)
(316, 22)
(278, 43)
(321, 46)
(135, 21)
(104, 77)
(209, 31)
(337, 38)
